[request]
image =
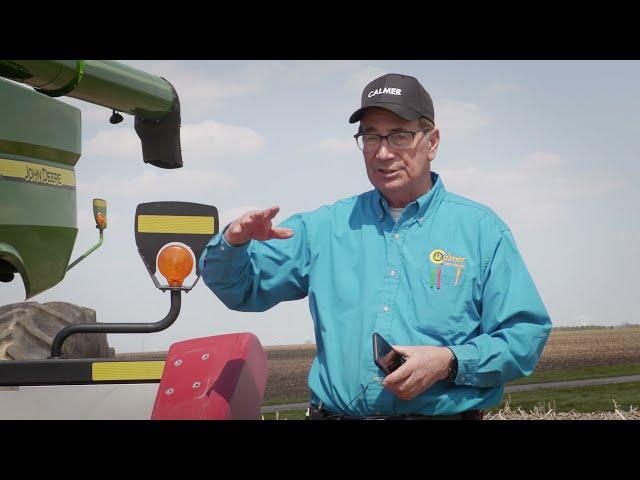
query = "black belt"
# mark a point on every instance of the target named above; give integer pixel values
(316, 413)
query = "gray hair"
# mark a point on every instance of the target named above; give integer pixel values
(426, 123)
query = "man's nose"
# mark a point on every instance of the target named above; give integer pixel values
(384, 153)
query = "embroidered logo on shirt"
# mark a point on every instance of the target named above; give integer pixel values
(439, 256)
(443, 259)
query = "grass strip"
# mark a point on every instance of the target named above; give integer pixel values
(581, 374)
(586, 399)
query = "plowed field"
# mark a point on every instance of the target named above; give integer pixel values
(565, 350)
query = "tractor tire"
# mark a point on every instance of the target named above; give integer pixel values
(27, 331)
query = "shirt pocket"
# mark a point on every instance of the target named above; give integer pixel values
(443, 304)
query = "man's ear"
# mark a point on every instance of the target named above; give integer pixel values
(434, 142)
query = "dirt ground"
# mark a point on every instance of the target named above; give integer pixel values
(576, 349)
(565, 350)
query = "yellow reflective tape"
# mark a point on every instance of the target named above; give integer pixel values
(37, 173)
(99, 202)
(104, 371)
(175, 224)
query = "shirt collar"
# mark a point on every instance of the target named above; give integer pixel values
(426, 204)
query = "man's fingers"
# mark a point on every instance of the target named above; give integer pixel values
(405, 389)
(398, 376)
(407, 385)
(257, 225)
(252, 217)
(402, 350)
(281, 233)
(260, 216)
(269, 213)
(246, 220)
(235, 227)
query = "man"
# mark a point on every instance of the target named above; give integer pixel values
(436, 275)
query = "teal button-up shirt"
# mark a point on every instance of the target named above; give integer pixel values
(448, 273)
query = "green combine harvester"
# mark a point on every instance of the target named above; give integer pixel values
(40, 146)
(48, 351)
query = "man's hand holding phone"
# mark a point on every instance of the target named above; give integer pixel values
(419, 367)
(384, 356)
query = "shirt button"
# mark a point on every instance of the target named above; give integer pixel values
(392, 273)
(396, 236)
(221, 247)
(386, 309)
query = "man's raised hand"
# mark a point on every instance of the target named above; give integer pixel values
(255, 225)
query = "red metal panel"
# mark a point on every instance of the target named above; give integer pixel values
(219, 378)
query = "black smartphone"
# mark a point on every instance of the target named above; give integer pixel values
(385, 357)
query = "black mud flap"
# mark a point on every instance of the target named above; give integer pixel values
(161, 138)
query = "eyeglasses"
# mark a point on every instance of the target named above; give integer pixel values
(368, 142)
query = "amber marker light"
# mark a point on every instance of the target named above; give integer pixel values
(100, 213)
(175, 264)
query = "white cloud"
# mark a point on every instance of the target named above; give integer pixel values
(341, 145)
(518, 197)
(215, 140)
(89, 111)
(542, 160)
(359, 79)
(536, 191)
(313, 72)
(152, 182)
(201, 141)
(200, 88)
(500, 88)
(454, 117)
(194, 89)
(591, 184)
(113, 143)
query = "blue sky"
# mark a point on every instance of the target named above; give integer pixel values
(551, 146)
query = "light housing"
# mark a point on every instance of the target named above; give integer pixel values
(162, 224)
(100, 213)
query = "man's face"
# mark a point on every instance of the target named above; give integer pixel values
(401, 175)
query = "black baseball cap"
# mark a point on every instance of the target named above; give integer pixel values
(400, 94)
